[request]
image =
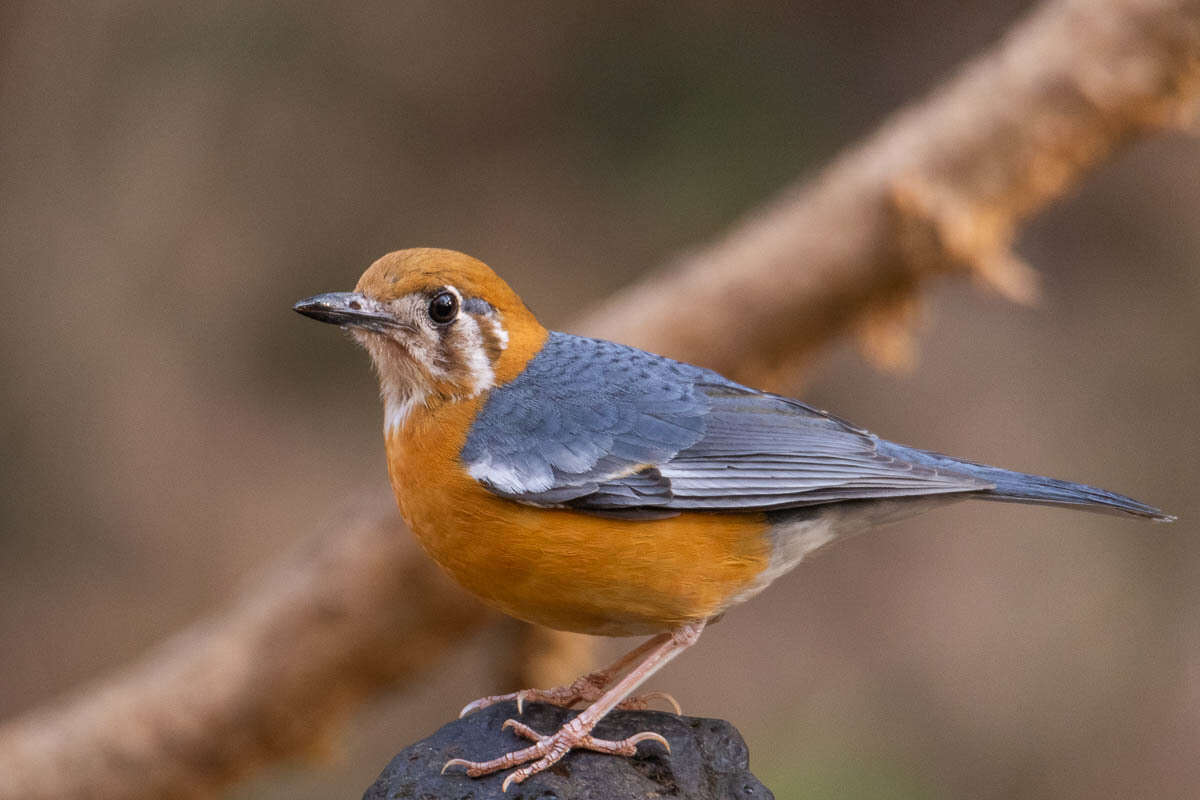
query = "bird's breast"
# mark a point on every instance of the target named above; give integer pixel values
(561, 568)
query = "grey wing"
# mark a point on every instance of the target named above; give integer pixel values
(764, 452)
(604, 428)
(584, 424)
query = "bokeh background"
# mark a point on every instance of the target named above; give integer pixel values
(174, 176)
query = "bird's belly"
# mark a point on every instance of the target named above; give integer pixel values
(579, 572)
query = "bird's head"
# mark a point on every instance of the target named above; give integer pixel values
(440, 326)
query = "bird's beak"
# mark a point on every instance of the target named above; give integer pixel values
(347, 309)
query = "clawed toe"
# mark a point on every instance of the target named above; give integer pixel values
(547, 750)
(491, 700)
(521, 729)
(476, 705)
(457, 762)
(645, 736)
(586, 689)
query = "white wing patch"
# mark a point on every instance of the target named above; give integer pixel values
(509, 479)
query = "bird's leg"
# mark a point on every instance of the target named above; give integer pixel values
(578, 732)
(586, 688)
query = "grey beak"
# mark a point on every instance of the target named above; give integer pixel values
(343, 308)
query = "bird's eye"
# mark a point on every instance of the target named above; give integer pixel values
(443, 308)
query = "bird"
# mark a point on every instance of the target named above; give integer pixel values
(589, 486)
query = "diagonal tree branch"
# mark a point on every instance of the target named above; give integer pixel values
(359, 608)
(940, 189)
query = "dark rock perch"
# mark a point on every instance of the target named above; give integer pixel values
(708, 761)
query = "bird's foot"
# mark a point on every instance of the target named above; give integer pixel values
(546, 750)
(586, 689)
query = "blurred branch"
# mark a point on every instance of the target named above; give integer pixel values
(360, 608)
(939, 189)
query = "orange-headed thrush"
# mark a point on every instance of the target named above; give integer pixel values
(592, 487)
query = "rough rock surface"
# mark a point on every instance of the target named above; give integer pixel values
(708, 761)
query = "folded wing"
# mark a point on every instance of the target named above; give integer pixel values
(600, 427)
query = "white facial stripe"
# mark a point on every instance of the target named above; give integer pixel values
(478, 364)
(498, 329)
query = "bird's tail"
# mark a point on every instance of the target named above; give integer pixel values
(1020, 487)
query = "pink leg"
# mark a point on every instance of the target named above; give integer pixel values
(587, 688)
(577, 733)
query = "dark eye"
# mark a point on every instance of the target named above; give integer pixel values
(443, 308)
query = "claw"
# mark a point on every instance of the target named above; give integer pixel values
(546, 750)
(648, 736)
(520, 702)
(454, 762)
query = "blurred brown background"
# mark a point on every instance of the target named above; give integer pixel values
(173, 177)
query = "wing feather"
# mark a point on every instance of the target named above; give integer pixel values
(605, 428)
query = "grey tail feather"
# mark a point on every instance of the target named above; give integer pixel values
(1019, 487)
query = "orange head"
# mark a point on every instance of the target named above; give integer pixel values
(439, 325)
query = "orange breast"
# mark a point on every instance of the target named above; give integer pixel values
(565, 569)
